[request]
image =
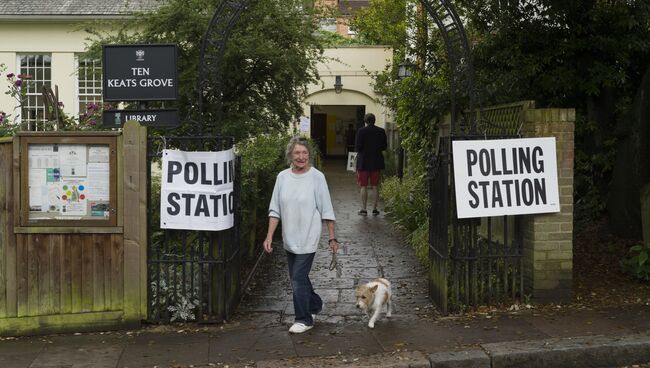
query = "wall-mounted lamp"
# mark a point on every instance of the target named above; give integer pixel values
(405, 69)
(338, 86)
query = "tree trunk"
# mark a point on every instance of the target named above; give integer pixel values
(632, 166)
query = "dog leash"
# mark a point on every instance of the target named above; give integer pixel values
(333, 262)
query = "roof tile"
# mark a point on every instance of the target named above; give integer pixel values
(75, 7)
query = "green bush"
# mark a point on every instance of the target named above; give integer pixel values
(637, 262)
(262, 157)
(406, 205)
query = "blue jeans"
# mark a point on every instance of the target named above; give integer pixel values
(305, 301)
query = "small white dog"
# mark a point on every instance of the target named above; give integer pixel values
(372, 296)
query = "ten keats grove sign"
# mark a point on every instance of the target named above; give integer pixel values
(139, 72)
(197, 190)
(505, 177)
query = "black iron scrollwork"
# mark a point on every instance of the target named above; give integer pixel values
(210, 74)
(460, 62)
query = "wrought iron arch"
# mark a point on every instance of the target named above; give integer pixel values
(471, 261)
(201, 268)
(460, 61)
(213, 47)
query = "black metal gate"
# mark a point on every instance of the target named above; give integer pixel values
(473, 261)
(192, 275)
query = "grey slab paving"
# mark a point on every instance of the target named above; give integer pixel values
(582, 322)
(78, 356)
(327, 339)
(275, 342)
(19, 353)
(165, 350)
(240, 345)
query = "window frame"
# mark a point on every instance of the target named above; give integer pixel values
(33, 125)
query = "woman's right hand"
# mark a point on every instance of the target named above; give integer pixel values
(268, 246)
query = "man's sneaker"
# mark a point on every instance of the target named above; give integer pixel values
(363, 212)
(375, 212)
(299, 327)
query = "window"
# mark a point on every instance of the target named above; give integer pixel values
(89, 83)
(39, 67)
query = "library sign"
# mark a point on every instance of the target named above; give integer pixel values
(158, 118)
(139, 72)
(505, 177)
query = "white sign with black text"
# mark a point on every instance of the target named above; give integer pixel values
(197, 190)
(505, 177)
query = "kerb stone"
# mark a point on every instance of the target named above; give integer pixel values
(460, 359)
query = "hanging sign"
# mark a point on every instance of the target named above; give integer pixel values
(139, 72)
(505, 177)
(197, 190)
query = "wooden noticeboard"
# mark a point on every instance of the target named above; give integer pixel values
(68, 181)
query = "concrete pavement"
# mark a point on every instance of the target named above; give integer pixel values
(416, 336)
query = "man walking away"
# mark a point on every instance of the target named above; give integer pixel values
(370, 142)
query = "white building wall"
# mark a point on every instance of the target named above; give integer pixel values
(62, 40)
(354, 65)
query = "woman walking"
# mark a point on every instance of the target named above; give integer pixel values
(301, 201)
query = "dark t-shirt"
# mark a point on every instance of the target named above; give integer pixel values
(370, 142)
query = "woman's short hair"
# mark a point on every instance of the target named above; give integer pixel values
(301, 141)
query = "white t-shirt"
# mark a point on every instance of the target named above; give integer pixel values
(301, 202)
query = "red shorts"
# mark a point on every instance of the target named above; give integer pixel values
(363, 177)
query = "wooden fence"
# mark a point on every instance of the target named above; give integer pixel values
(74, 278)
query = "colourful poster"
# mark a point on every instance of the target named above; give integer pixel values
(73, 197)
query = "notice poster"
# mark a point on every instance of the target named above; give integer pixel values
(73, 197)
(98, 182)
(42, 156)
(197, 190)
(69, 181)
(352, 161)
(505, 177)
(73, 159)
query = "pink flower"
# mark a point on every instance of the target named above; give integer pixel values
(10, 75)
(2, 116)
(18, 83)
(92, 122)
(24, 76)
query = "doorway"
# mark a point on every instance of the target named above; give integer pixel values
(329, 124)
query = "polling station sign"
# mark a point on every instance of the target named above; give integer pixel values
(505, 177)
(197, 190)
(139, 72)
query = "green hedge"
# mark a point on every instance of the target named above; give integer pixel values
(406, 204)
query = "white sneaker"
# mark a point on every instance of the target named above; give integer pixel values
(299, 327)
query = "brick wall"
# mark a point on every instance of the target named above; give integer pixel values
(548, 238)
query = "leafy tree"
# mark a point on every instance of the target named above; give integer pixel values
(587, 54)
(420, 101)
(269, 60)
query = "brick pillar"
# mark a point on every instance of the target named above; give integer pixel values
(548, 238)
